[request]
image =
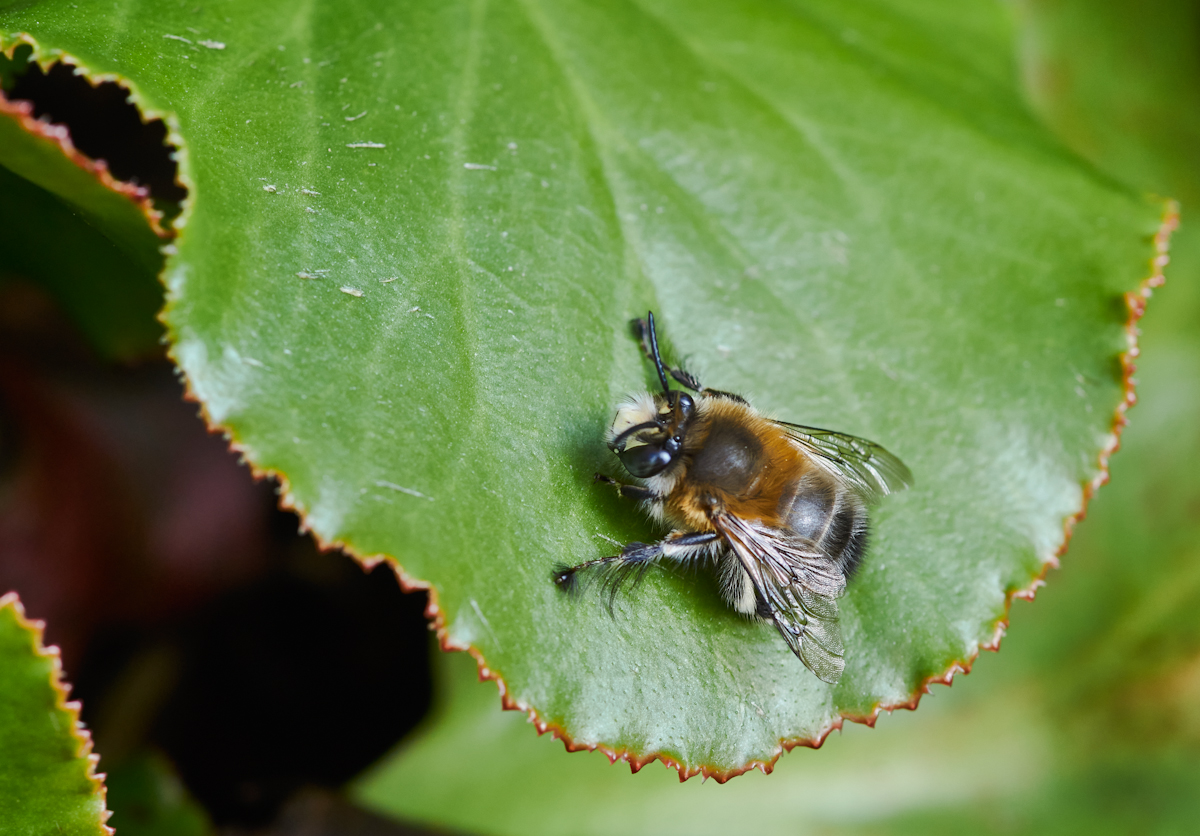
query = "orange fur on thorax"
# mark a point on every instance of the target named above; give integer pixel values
(691, 503)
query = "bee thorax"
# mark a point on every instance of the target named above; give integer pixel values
(731, 459)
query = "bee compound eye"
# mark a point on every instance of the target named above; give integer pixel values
(686, 404)
(645, 461)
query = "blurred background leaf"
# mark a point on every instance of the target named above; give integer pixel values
(148, 800)
(111, 297)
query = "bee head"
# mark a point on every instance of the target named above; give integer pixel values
(647, 434)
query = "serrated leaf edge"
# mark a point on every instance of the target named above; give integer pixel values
(22, 112)
(71, 708)
(1135, 301)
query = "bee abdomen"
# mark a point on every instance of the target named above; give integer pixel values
(846, 538)
(832, 517)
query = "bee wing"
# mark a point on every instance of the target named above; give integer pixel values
(871, 469)
(800, 586)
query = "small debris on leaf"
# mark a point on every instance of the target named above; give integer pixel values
(394, 487)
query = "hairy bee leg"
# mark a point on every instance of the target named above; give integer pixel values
(634, 553)
(641, 330)
(629, 491)
(690, 540)
(633, 561)
(717, 393)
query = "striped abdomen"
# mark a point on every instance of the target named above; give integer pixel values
(819, 509)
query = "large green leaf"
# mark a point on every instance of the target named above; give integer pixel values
(415, 234)
(47, 780)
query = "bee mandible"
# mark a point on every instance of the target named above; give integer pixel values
(778, 509)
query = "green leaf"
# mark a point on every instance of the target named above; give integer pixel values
(87, 238)
(415, 235)
(1088, 721)
(1118, 85)
(43, 154)
(147, 799)
(1141, 124)
(47, 779)
(112, 298)
(968, 744)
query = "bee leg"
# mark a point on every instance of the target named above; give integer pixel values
(717, 393)
(641, 330)
(681, 544)
(634, 560)
(630, 491)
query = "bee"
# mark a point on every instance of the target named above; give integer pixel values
(778, 509)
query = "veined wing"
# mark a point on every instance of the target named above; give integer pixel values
(799, 586)
(871, 469)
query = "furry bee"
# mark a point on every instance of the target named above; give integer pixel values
(779, 509)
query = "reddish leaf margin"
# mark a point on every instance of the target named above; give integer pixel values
(69, 707)
(1135, 301)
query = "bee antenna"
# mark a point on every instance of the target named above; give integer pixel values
(658, 363)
